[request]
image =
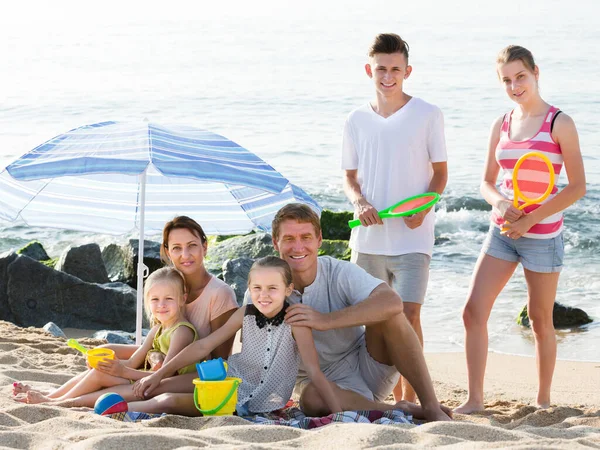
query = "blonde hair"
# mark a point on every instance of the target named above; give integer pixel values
(164, 275)
(516, 53)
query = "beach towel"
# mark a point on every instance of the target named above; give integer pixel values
(292, 416)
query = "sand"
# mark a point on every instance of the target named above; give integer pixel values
(509, 421)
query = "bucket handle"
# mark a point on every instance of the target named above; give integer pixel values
(208, 412)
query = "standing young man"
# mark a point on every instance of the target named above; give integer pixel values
(393, 148)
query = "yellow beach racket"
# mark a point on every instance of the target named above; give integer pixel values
(533, 180)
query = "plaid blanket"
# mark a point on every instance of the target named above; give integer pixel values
(293, 416)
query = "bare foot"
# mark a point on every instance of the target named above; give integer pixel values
(21, 398)
(417, 411)
(20, 388)
(544, 405)
(469, 407)
(34, 397)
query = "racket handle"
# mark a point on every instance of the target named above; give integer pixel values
(354, 223)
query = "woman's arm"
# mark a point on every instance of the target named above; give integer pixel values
(223, 350)
(565, 135)
(191, 354)
(490, 176)
(310, 360)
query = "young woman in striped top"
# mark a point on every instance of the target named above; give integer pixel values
(533, 236)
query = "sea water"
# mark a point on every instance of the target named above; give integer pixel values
(280, 79)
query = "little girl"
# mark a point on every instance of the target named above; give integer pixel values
(270, 357)
(164, 301)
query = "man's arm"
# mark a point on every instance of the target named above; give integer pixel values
(362, 208)
(381, 304)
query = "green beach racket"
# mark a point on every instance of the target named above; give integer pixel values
(406, 207)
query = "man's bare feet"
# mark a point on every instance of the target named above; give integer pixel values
(418, 412)
(35, 397)
(469, 407)
(543, 405)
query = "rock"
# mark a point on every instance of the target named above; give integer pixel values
(34, 250)
(118, 337)
(121, 261)
(118, 262)
(334, 225)
(151, 258)
(235, 274)
(84, 262)
(54, 330)
(562, 316)
(37, 294)
(5, 260)
(335, 248)
(250, 246)
(115, 337)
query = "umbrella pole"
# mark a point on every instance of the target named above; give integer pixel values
(142, 270)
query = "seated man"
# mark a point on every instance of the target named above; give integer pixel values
(360, 331)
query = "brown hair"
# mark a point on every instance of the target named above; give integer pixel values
(389, 43)
(298, 212)
(179, 222)
(516, 53)
(164, 274)
(276, 263)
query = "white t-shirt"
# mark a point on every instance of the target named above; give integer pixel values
(393, 156)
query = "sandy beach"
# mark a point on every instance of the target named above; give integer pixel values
(510, 420)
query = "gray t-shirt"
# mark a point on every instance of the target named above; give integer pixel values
(338, 284)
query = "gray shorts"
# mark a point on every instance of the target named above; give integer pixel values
(408, 274)
(536, 255)
(360, 373)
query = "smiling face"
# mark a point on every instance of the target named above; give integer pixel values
(268, 289)
(298, 244)
(166, 299)
(186, 250)
(388, 72)
(520, 83)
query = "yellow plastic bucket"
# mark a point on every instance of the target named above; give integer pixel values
(216, 398)
(95, 355)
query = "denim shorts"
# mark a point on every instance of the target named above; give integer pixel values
(536, 255)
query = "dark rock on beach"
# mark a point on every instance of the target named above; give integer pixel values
(563, 317)
(84, 262)
(335, 224)
(36, 294)
(235, 274)
(250, 246)
(335, 248)
(34, 250)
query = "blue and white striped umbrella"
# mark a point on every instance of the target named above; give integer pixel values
(117, 177)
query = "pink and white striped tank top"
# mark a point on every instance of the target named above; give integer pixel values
(507, 154)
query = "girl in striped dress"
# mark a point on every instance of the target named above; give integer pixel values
(532, 236)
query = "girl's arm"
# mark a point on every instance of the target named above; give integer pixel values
(127, 369)
(310, 360)
(191, 354)
(490, 176)
(565, 135)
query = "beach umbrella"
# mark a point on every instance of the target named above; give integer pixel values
(124, 177)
